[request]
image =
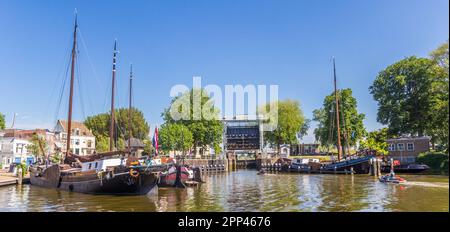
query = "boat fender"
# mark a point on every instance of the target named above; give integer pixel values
(134, 173)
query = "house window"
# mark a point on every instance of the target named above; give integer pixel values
(77, 142)
(410, 146)
(401, 146)
(391, 147)
(410, 159)
(89, 143)
(77, 131)
(77, 151)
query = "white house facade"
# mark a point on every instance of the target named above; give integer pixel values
(14, 150)
(82, 139)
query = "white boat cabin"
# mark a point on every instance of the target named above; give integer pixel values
(304, 161)
(99, 165)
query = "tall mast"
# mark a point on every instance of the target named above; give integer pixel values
(337, 113)
(72, 77)
(112, 124)
(129, 109)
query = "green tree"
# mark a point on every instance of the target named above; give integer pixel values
(148, 148)
(175, 137)
(376, 140)
(350, 121)
(291, 123)
(34, 148)
(438, 125)
(440, 56)
(2, 121)
(99, 125)
(202, 122)
(412, 97)
(101, 143)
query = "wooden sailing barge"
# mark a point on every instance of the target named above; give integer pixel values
(358, 165)
(113, 172)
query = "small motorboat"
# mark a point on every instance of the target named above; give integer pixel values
(392, 179)
(169, 177)
(261, 172)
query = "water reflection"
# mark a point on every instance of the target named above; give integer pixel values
(247, 191)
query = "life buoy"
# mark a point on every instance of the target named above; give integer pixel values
(134, 173)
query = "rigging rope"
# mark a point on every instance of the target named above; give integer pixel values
(80, 95)
(63, 66)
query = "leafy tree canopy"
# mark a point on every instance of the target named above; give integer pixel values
(376, 140)
(291, 123)
(99, 125)
(175, 137)
(350, 121)
(34, 148)
(2, 121)
(201, 118)
(412, 96)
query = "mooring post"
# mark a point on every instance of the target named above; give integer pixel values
(371, 171)
(374, 167)
(378, 167)
(351, 170)
(19, 176)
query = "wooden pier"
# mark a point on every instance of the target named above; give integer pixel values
(7, 179)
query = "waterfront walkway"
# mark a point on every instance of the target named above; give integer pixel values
(7, 178)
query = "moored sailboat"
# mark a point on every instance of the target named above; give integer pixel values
(358, 165)
(101, 173)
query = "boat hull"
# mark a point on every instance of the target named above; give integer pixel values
(406, 169)
(169, 179)
(110, 184)
(359, 165)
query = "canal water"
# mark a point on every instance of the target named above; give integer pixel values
(244, 190)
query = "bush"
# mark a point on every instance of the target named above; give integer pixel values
(23, 166)
(438, 162)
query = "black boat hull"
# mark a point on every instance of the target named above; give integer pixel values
(387, 169)
(117, 184)
(359, 165)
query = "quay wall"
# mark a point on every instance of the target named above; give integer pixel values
(206, 162)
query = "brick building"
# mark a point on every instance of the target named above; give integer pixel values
(406, 149)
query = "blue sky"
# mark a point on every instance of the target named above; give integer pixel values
(287, 43)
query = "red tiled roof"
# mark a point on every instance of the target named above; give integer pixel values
(76, 125)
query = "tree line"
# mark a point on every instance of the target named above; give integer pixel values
(411, 94)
